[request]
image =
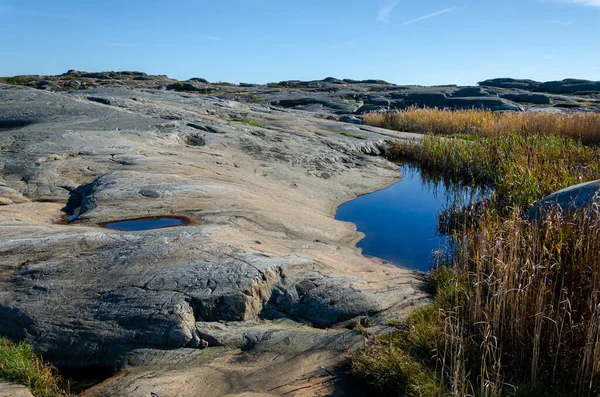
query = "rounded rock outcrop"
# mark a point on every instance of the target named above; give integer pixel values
(582, 197)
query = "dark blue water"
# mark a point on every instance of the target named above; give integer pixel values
(400, 222)
(135, 225)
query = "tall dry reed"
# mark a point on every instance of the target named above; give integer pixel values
(584, 126)
(531, 315)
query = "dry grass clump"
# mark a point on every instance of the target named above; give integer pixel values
(20, 364)
(577, 125)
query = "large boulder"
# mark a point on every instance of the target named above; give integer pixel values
(529, 85)
(517, 96)
(370, 81)
(540, 99)
(179, 86)
(377, 100)
(470, 92)
(574, 198)
(199, 80)
(570, 86)
(316, 102)
(399, 104)
(526, 97)
(566, 86)
(371, 108)
(427, 98)
(333, 80)
(45, 85)
(449, 99)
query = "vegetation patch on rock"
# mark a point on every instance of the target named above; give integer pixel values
(351, 135)
(20, 364)
(249, 122)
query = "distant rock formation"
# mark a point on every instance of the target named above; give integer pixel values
(344, 97)
(566, 86)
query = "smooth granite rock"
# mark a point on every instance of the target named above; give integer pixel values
(566, 86)
(259, 272)
(8, 389)
(470, 92)
(585, 196)
(527, 97)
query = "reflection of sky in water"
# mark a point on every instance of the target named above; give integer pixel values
(145, 224)
(400, 222)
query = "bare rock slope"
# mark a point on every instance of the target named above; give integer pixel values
(247, 297)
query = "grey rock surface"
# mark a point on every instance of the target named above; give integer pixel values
(259, 273)
(566, 86)
(470, 92)
(527, 97)
(582, 197)
(8, 389)
(332, 96)
(275, 362)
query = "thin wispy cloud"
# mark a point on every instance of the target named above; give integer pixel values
(383, 15)
(589, 3)
(428, 16)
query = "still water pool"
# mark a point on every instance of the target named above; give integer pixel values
(400, 222)
(134, 225)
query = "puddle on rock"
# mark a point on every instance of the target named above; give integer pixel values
(139, 224)
(400, 222)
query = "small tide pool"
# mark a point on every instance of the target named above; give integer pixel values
(136, 225)
(400, 222)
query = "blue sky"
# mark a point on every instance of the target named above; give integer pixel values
(258, 41)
